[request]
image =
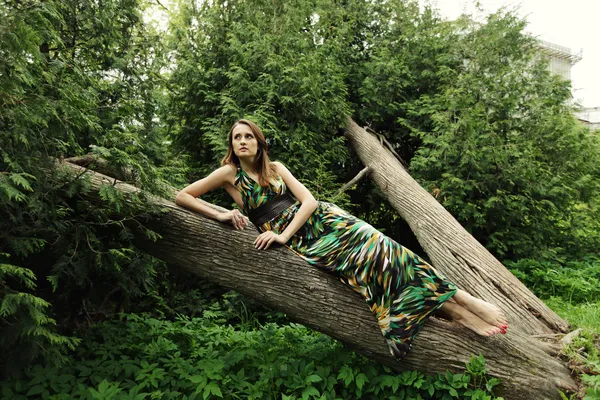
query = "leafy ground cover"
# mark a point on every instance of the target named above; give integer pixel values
(140, 357)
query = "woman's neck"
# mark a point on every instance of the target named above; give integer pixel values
(247, 165)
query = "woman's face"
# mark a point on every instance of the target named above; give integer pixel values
(244, 142)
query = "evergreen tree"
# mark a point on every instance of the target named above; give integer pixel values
(75, 77)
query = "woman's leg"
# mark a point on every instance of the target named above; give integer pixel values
(460, 314)
(484, 310)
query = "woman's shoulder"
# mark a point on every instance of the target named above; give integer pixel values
(229, 169)
(278, 165)
(280, 168)
(227, 172)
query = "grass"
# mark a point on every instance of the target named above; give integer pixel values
(583, 352)
(585, 315)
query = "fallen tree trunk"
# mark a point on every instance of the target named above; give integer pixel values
(450, 247)
(285, 282)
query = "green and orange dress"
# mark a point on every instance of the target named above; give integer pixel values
(400, 288)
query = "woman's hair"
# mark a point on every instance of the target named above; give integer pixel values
(265, 169)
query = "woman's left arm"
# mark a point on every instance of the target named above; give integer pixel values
(308, 206)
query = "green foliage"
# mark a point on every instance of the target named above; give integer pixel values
(585, 315)
(75, 77)
(264, 61)
(592, 392)
(28, 325)
(583, 353)
(196, 358)
(575, 281)
(504, 150)
(470, 107)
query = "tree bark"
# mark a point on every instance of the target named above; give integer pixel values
(284, 281)
(452, 250)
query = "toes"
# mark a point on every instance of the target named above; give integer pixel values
(496, 331)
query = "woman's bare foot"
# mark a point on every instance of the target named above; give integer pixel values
(469, 320)
(484, 310)
(477, 325)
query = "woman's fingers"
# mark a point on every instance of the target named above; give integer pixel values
(258, 240)
(237, 220)
(264, 239)
(264, 243)
(269, 241)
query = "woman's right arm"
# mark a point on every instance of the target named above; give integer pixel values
(187, 197)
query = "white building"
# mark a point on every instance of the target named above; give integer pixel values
(590, 116)
(561, 58)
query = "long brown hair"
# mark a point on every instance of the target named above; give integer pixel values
(265, 169)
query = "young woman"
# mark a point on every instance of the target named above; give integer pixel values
(399, 287)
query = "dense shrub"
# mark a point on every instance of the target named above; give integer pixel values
(574, 280)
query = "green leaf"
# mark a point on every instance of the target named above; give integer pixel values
(361, 379)
(491, 383)
(212, 389)
(310, 391)
(37, 389)
(313, 378)
(346, 374)
(20, 180)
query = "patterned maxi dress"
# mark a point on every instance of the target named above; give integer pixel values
(398, 286)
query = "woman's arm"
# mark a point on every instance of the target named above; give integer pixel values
(308, 206)
(187, 197)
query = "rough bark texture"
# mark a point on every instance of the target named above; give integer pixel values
(452, 250)
(285, 282)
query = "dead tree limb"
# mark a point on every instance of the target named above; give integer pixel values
(353, 181)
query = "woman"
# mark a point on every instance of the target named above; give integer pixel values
(399, 287)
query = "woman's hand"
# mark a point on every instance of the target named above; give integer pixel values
(264, 240)
(235, 218)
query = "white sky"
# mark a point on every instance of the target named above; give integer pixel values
(574, 24)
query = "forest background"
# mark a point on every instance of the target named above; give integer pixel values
(471, 108)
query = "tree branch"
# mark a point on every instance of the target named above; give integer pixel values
(353, 181)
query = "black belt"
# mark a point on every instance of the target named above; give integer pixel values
(270, 209)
